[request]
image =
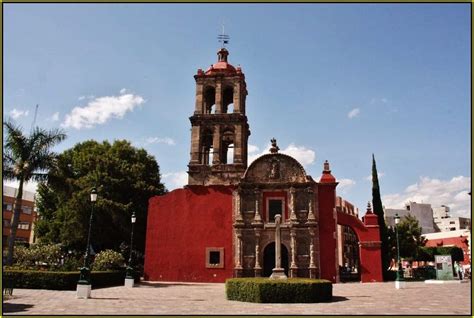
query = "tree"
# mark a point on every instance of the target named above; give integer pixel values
(410, 239)
(378, 210)
(125, 177)
(26, 158)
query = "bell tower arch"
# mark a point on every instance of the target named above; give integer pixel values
(219, 126)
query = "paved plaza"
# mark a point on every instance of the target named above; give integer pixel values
(160, 298)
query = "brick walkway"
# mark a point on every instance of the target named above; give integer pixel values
(181, 298)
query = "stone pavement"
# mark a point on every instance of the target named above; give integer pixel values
(160, 298)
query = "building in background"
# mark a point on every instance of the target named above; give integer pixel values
(446, 223)
(459, 238)
(25, 233)
(421, 211)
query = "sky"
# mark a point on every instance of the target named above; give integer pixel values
(336, 82)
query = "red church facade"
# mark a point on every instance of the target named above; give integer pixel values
(221, 225)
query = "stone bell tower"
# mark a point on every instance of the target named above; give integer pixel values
(219, 128)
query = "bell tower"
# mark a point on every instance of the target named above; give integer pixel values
(219, 128)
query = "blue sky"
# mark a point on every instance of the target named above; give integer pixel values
(328, 81)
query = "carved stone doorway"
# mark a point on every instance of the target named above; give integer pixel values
(269, 259)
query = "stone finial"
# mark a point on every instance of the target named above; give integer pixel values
(326, 166)
(369, 208)
(274, 148)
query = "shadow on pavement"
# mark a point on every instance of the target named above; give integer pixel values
(7, 307)
(105, 298)
(336, 299)
(157, 284)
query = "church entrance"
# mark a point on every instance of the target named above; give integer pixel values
(269, 259)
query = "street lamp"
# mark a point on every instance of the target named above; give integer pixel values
(399, 279)
(84, 283)
(129, 280)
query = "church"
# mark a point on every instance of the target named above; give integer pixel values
(222, 223)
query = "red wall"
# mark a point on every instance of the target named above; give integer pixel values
(327, 230)
(370, 256)
(459, 241)
(181, 225)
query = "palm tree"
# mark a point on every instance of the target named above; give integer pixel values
(26, 158)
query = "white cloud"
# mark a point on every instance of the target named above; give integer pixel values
(452, 193)
(345, 184)
(55, 117)
(86, 97)
(379, 174)
(158, 140)
(353, 113)
(16, 113)
(378, 100)
(123, 91)
(175, 180)
(100, 110)
(252, 148)
(304, 155)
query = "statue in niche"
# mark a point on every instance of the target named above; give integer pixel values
(275, 170)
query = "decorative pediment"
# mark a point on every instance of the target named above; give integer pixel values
(275, 168)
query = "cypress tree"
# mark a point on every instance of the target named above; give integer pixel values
(378, 210)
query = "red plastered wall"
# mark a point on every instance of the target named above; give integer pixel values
(327, 229)
(459, 241)
(369, 255)
(181, 225)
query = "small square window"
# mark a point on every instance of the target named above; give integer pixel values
(215, 257)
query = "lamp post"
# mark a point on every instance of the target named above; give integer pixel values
(399, 281)
(129, 280)
(84, 283)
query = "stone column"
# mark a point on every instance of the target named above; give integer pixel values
(311, 216)
(293, 266)
(292, 205)
(195, 131)
(238, 208)
(238, 141)
(199, 109)
(278, 272)
(257, 268)
(312, 265)
(257, 217)
(216, 145)
(236, 99)
(219, 98)
(238, 257)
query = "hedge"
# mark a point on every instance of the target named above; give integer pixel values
(58, 280)
(265, 290)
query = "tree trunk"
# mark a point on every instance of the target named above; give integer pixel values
(14, 223)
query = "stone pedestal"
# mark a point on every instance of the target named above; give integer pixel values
(129, 282)
(399, 284)
(83, 291)
(278, 273)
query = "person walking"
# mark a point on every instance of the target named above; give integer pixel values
(458, 268)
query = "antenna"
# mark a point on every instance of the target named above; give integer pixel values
(223, 38)
(34, 119)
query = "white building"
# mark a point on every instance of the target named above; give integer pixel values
(421, 211)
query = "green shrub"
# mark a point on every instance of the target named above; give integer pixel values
(108, 260)
(37, 255)
(423, 273)
(292, 290)
(59, 280)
